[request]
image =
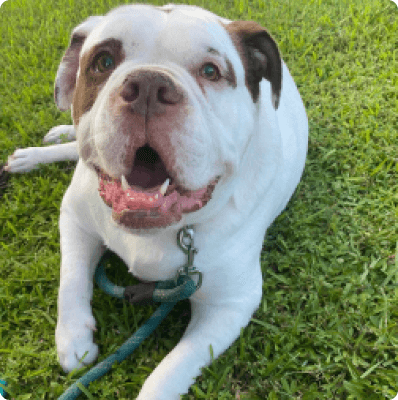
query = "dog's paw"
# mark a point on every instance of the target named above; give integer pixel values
(73, 341)
(24, 160)
(60, 133)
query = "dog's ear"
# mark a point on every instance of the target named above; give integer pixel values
(260, 55)
(67, 71)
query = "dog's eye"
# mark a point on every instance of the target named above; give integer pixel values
(103, 62)
(210, 72)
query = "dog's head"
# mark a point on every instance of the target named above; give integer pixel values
(164, 100)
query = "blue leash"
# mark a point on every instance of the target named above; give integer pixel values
(2, 391)
(166, 292)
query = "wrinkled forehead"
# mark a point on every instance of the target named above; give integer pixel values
(179, 31)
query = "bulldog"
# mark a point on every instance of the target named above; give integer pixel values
(181, 118)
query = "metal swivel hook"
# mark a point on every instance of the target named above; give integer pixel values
(185, 242)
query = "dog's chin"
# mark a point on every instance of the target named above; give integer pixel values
(142, 208)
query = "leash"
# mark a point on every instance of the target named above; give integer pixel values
(2, 391)
(166, 292)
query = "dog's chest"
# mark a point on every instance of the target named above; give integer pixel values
(148, 257)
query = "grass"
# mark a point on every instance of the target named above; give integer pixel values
(327, 325)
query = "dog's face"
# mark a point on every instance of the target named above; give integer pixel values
(164, 101)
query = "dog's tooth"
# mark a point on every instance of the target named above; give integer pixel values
(125, 185)
(164, 187)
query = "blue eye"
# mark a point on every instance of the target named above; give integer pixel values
(104, 62)
(210, 72)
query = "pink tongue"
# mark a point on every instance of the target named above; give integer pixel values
(120, 200)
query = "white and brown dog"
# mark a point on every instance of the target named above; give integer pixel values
(181, 118)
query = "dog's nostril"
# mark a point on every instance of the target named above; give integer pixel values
(130, 92)
(162, 94)
(168, 94)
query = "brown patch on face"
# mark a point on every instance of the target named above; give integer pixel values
(91, 81)
(260, 57)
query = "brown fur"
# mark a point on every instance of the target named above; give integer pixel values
(90, 82)
(260, 57)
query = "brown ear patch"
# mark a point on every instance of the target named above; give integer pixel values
(66, 76)
(67, 70)
(260, 57)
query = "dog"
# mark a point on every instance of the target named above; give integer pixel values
(181, 118)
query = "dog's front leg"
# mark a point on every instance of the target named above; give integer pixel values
(24, 160)
(213, 325)
(80, 252)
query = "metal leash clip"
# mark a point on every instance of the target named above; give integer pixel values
(185, 242)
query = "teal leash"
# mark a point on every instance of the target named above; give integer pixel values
(2, 391)
(166, 292)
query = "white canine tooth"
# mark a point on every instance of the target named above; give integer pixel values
(164, 187)
(125, 185)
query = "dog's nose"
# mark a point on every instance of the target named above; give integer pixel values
(150, 92)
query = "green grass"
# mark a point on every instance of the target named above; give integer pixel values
(327, 324)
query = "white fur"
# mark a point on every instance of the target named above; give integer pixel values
(259, 151)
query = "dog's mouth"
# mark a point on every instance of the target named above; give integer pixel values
(148, 197)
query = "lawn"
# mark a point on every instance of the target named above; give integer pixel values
(327, 324)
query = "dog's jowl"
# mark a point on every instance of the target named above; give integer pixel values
(181, 118)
